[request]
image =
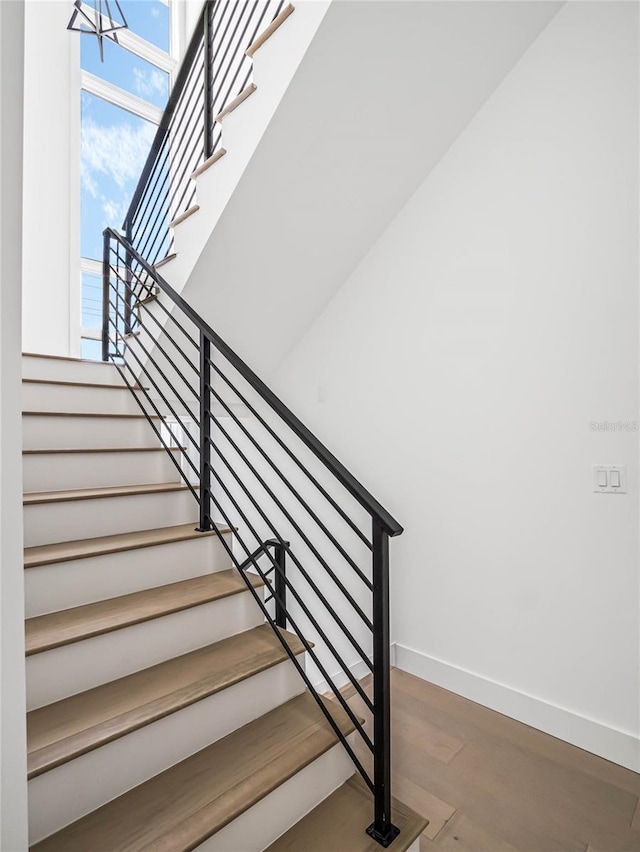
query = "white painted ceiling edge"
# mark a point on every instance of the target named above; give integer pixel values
(380, 95)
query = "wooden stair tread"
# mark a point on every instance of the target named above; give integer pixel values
(152, 297)
(270, 30)
(191, 801)
(339, 822)
(185, 215)
(67, 383)
(160, 263)
(89, 414)
(203, 167)
(73, 726)
(65, 358)
(76, 450)
(32, 498)
(44, 632)
(235, 103)
(64, 551)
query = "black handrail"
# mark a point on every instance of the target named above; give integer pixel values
(339, 471)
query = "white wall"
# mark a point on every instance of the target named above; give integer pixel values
(13, 762)
(380, 94)
(459, 367)
(51, 292)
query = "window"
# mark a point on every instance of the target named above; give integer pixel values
(127, 71)
(122, 101)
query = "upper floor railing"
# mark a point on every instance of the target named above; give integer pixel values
(214, 71)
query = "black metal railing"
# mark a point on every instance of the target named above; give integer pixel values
(215, 70)
(303, 523)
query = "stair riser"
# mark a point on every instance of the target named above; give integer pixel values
(48, 523)
(55, 674)
(102, 774)
(50, 588)
(42, 397)
(183, 379)
(89, 432)
(259, 826)
(62, 471)
(165, 369)
(183, 394)
(56, 369)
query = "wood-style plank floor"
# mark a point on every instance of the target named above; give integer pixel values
(490, 784)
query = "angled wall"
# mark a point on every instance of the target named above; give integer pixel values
(467, 370)
(381, 92)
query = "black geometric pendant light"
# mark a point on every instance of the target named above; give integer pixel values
(103, 21)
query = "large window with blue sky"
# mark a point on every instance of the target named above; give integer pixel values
(122, 100)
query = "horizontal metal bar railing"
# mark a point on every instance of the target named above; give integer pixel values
(253, 466)
(325, 456)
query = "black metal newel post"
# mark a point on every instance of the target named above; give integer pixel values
(128, 278)
(382, 829)
(205, 434)
(280, 555)
(106, 277)
(208, 80)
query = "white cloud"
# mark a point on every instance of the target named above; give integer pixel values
(117, 152)
(148, 83)
(88, 181)
(114, 211)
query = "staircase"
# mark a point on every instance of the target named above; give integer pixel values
(163, 712)
(203, 577)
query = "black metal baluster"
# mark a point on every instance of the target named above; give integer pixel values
(106, 277)
(208, 80)
(280, 553)
(382, 829)
(205, 434)
(129, 295)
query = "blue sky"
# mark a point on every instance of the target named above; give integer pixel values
(115, 145)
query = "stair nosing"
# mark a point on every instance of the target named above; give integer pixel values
(152, 297)
(183, 216)
(89, 414)
(266, 34)
(70, 495)
(235, 103)
(206, 165)
(65, 358)
(78, 450)
(160, 263)
(162, 706)
(81, 384)
(118, 544)
(170, 609)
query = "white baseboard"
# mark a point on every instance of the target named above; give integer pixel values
(618, 746)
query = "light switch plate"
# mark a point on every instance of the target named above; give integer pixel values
(602, 474)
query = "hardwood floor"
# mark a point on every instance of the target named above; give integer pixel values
(490, 784)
